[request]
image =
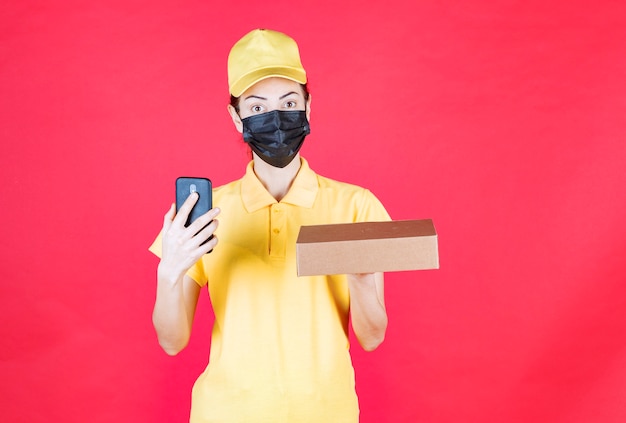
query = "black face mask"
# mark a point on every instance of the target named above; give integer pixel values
(276, 136)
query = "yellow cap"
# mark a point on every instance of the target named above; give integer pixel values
(262, 54)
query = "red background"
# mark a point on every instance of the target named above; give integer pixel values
(502, 121)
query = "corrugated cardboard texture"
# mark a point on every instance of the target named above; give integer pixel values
(367, 247)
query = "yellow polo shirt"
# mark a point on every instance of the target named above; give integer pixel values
(279, 348)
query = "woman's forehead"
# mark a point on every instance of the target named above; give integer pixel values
(273, 87)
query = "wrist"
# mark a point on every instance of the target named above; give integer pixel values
(169, 274)
(363, 281)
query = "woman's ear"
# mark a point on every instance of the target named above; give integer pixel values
(236, 119)
(308, 108)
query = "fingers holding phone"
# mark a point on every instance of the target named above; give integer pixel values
(194, 200)
(189, 225)
(196, 217)
(201, 189)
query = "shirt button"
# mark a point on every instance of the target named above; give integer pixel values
(276, 231)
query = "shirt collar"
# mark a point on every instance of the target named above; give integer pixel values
(302, 192)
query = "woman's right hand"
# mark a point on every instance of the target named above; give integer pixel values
(182, 245)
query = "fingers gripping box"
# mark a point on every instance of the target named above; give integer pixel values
(367, 247)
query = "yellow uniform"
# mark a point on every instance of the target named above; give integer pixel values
(279, 348)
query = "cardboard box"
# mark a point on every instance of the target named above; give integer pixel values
(367, 247)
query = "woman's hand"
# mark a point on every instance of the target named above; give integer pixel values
(184, 246)
(367, 308)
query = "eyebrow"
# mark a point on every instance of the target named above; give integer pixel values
(255, 96)
(263, 98)
(287, 95)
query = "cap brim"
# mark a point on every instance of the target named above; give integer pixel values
(246, 81)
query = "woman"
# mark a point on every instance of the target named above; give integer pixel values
(279, 347)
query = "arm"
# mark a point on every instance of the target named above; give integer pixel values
(367, 309)
(177, 294)
(174, 310)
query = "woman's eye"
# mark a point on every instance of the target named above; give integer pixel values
(290, 104)
(257, 109)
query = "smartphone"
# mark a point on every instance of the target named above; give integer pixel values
(185, 186)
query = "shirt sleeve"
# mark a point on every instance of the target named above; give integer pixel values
(156, 248)
(371, 209)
